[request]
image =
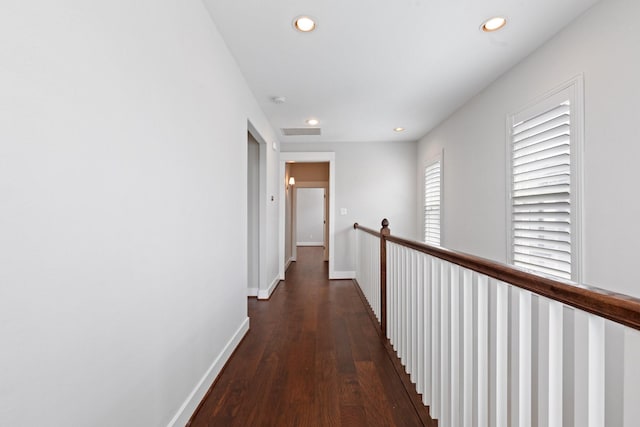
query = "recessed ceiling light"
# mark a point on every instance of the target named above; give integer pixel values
(304, 24)
(313, 122)
(493, 24)
(398, 129)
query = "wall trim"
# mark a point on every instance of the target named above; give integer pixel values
(252, 292)
(183, 415)
(289, 261)
(266, 293)
(264, 195)
(340, 275)
(310, 244)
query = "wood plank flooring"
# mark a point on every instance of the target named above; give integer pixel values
(313, 357)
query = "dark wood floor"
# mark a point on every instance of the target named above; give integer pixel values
(312, 358)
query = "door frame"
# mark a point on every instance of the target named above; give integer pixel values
(294, 217)
(307, 157)
(262, 213)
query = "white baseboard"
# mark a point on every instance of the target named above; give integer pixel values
(266, 293)
(252, 292)
(289, 261)
(310, 244)
(193, 400)
(338, 275)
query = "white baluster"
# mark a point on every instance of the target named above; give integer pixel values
(482, 393)
(555, 363)
(420, 312)
(406, 286)
(541, 374)
(376, 275)
(445, 361)
(392, 292)
(403, 312)
(597, 384)
(366, 265)
(524, 358)
(389, 292)
(410, 314)
(427, 324)
(407, 311)
(580, 366)
(397, 301)
(454, 307)
(467, 348)
(373, 295)
(501, 355)
(402, 286)
(358, 257)
(414, 316)
(631, 390)
(365, 256)
(435, 338)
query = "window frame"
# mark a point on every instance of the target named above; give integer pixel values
(573, 90)
(429, 162)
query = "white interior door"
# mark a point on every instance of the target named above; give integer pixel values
(310, 213)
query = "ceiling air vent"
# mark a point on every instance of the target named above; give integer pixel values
(300, 131)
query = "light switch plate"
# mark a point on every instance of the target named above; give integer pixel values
(343, 211)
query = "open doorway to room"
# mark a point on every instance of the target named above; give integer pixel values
(306, 216)
(310, 217)
(253, 216)
(307, 220)
(256, 212)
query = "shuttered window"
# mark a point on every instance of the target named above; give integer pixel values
(432, 198)
(543, 189)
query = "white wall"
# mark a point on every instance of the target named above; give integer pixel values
(603, 45)
(373, 180)
(310, 216)
(124, 249)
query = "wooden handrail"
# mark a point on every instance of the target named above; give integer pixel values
(366, 230)
(620, 308)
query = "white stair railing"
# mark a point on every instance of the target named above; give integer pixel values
(487, 344)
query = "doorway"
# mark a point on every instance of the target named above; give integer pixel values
(310, 217)
(253, 216)
(310, 221)
(256, 214)
(309, 208)
(306, 171)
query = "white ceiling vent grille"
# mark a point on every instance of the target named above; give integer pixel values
(300, 131)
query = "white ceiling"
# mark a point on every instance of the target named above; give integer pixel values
(373, 65)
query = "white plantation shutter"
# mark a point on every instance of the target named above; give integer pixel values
(541, 192)
(432, 197)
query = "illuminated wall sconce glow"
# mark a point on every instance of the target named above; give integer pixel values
(313, 122)
(292, 181)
